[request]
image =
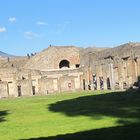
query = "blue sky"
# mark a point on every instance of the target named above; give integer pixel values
(28, 26)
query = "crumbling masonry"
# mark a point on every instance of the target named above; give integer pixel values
(67, 68)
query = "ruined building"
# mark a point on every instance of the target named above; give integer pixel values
(67, 68)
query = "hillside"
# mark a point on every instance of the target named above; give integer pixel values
(2, 54)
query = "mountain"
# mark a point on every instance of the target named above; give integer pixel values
(2, 54)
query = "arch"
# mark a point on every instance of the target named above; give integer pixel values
(64, 64)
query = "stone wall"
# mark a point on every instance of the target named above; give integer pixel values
(60, 83)
(3, 90)
(87, 69)
(24, 88)
(52, 56)
(120, 66)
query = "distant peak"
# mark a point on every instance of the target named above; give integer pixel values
(3, 54)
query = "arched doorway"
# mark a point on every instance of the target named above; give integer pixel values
(64, 64)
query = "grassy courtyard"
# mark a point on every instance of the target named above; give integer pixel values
(73, 116)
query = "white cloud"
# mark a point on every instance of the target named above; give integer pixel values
(41, 23)
(12, 19)
(2, 29)
(30, 35)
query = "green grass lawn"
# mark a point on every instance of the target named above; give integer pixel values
(73, 116)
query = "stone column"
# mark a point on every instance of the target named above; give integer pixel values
(104, 74)
(30, 84)
(111, 75)
(120, 75)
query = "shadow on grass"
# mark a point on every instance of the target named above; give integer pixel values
(2, 115)
(127, 132)
(123, 105)
(117, 104)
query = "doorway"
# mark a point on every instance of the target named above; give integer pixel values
(33, 90)
(108, 84)
(19, 91)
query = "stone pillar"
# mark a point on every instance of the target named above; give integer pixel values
(120, 75)
(15, 90)
(104, 74)
(98, 74)
(30, 84)
(81, 82)
(98, 82)
(138, 69)
(131, 71)
(111, 75)
(105, 83)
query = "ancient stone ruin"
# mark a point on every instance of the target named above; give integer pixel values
(67, 68)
